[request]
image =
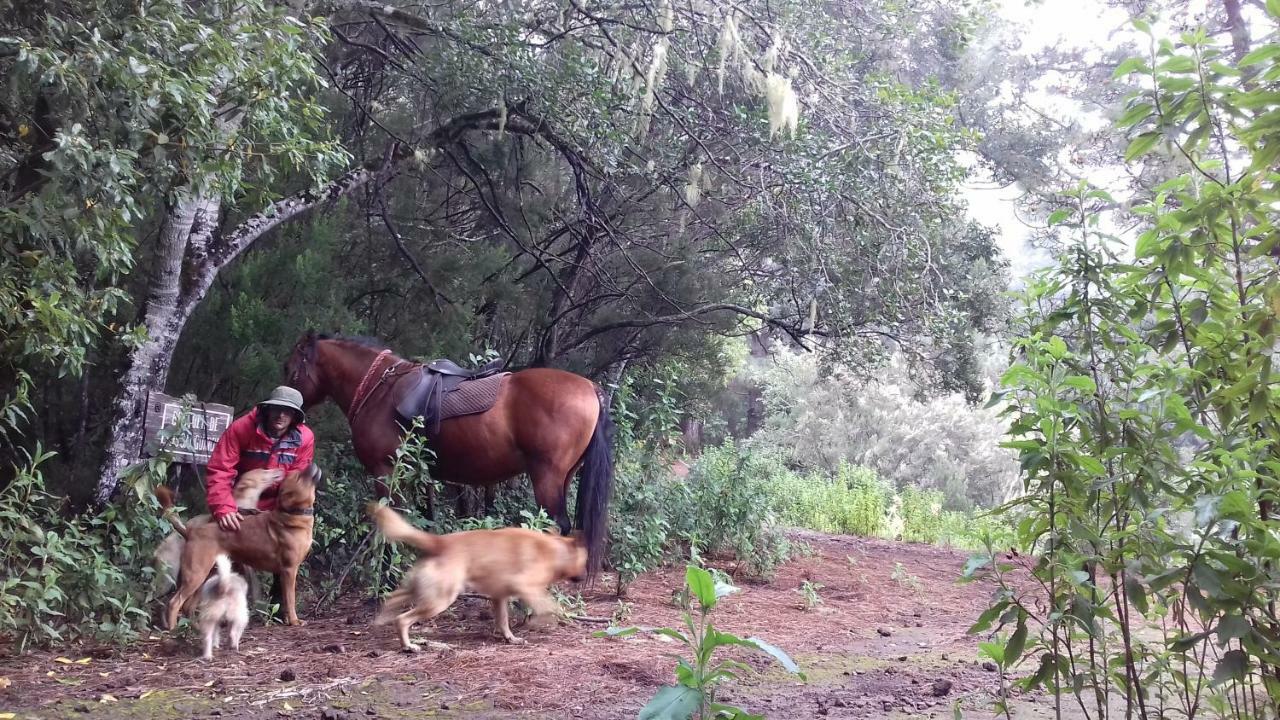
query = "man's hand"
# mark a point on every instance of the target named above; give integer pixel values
(230, 522)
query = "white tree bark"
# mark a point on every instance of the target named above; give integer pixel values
(189, 223)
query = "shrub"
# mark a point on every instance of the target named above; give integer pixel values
(87, 577)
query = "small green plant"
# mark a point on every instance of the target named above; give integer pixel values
(621, 612)
(539, 520)
(697, 678)
(809, 592)
(906, 579)
(569, 604)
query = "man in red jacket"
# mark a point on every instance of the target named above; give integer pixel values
(270, 435)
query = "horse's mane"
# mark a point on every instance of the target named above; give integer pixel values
(361, 340)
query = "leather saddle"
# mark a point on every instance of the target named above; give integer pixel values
(426, 388)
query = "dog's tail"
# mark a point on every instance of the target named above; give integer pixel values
(225, 588)
(165, 496)
(396, 529)
(397, 602)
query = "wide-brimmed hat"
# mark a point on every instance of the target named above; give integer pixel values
(287, 397)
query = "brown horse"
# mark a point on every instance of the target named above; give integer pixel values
(546, 423)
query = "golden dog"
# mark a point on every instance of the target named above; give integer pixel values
(275, 541)
(168, 554)
(503, 564)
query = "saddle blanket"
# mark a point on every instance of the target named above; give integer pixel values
(472, 396)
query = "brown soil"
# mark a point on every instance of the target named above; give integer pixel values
(873, 648)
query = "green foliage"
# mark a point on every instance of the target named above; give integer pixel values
(1146, 420)
(854, 501)
(697, 677)
(85, 578)
(809, 593)
(113, 107)
(824, 417)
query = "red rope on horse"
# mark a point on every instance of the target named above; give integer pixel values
(357, 400)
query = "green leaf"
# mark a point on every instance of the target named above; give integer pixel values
(1186, 642)
(1263, 53)
(1233, 666)
(777, 653)
(702, 586)
(1057, 216)
(1179, 64)
(1273, 8)
(993, 650)
(616, 632)
(1018, 640)
(1208, 579)
(1057, 347)
(1136, 591)
(1141, 145)
(1082, 383)
(1129, 66)
(1232, 627)
(1135, 115)
(672, 703)
(721, 710)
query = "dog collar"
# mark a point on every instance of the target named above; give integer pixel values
(298, 511)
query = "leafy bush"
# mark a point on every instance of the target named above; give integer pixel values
(729, 487)
(87, 577)
(854, 501)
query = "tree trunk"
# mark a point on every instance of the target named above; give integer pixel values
(164, 318)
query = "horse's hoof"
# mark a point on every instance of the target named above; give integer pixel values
(410, 649)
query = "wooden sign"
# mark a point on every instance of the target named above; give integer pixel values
(187, 430)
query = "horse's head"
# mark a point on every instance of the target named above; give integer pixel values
(301, 372)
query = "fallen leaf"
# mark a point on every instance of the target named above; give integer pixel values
(210, 683)
(83, 661)
(104, 674)
(108, 698)
(287, 707)
(7, 716)
(5, 682)
(145, 694)
(50, 674)
(64, 661)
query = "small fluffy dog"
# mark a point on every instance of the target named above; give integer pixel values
(168, 553)
(503, 564)
(223, 601)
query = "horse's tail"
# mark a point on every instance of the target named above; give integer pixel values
(595, 484)
(397, 529)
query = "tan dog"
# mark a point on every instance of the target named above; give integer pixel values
(276, 541)
(168, 554)
(223, 601)
(503, 564)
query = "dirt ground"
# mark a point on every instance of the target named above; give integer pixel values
(887, 641)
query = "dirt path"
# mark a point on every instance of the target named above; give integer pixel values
(887, 641)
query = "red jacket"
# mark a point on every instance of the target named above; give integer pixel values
(245, 446)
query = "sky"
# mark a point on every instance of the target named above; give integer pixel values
(1050, 23)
